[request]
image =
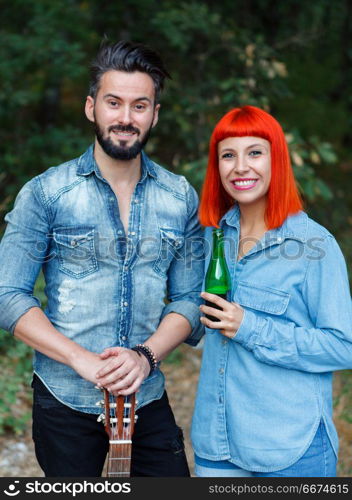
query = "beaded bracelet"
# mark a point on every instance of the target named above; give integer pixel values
(148, 353)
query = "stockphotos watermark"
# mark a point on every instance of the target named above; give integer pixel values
(74, 488)
(78, 250)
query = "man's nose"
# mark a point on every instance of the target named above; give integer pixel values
(124, 116)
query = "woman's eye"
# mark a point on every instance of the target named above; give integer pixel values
(255, 153)
(227, 155)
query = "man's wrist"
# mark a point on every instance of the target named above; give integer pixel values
(147, 353)
(77, 355)
(145, 362)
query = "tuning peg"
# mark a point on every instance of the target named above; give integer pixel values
(100, 403)
(101, 418)
(135, 418)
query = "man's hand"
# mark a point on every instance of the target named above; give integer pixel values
(123, 372)
(230, 317)
(87, 364)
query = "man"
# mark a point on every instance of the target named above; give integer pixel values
(111, 230)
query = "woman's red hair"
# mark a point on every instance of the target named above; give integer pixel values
(283, 197)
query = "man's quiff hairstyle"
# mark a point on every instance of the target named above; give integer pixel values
(129, 57)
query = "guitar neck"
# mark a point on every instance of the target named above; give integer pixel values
(119, 460)
(119, 424)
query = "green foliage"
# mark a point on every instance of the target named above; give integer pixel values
(174, 358)
(307, 156)
(218, 59)
(15, 377)
(43, 69)
(16, 370)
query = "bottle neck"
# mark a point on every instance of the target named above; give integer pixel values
(218, 244)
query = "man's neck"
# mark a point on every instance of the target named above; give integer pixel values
(117, 172)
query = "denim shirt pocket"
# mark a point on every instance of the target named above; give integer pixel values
(76, 250)
(262, 298)
(171, 241)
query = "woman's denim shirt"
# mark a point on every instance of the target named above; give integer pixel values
(262, 394)
(103, 288)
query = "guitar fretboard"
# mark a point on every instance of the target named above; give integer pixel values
(119, 459)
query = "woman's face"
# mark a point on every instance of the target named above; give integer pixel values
(245, 168)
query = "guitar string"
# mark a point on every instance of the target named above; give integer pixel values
(127, 400)
(123, 462)
(127, 432)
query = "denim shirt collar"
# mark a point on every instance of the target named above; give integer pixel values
(87, 165)
(294, 227)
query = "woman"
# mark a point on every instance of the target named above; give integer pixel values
(264, 400)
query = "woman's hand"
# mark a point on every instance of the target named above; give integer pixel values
(230, 317)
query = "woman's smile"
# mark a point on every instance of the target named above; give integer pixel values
(244, 184)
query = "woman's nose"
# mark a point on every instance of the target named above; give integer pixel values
(241, 164)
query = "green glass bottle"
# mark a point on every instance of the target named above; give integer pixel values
(217, 278)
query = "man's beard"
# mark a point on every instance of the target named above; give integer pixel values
(121, 152)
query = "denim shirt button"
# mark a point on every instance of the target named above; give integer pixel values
(125, 304)
(73, 243)
(119, 231)
(124, 338)
(221, 371)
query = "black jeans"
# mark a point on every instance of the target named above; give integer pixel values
(69, 443)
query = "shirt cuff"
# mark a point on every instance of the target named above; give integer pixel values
(191, 312)
(13, 309)
(249, 329)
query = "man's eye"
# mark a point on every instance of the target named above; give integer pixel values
(113, 103)
(140, 107)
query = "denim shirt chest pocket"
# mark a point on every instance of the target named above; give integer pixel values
(171, 242)
(76, 250)
(262, 298)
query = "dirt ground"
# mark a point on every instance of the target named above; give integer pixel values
(17, 455)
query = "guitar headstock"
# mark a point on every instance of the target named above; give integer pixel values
(119, 417)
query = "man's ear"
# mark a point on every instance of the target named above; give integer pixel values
(156, 115)
(89, 108)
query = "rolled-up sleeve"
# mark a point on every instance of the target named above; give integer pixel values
(327, 344)
(186, 273)
(23, 249)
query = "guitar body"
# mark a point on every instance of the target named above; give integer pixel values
(120, 419)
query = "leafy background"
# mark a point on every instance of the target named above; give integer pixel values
(293, 58)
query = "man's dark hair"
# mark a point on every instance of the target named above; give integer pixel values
(129, 57)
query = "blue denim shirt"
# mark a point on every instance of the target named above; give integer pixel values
(262, 394)
(104, 288)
